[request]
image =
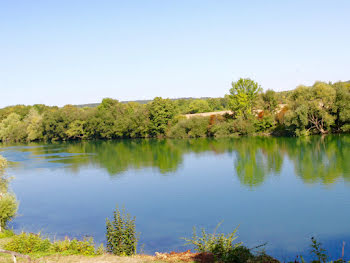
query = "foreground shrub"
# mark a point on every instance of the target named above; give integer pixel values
(85, 247)
(26, 243)
(220, 245)
(121, 234)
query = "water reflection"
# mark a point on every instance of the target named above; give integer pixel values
(259, 183)
(316, 159)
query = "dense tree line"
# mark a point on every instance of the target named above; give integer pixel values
(319, 109)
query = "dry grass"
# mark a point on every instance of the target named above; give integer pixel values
(106, 258)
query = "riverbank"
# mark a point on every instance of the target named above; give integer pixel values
(319, 109)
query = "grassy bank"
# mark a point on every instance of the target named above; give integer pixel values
(209, 248)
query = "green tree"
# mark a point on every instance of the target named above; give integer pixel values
(199, 105)
(34, 125)
(161, 111)
(76, 129)
(136, 120)
(342, 106)
(243, 96)
(270, 100)
(12, 128)
(110, 122)
(311, 109)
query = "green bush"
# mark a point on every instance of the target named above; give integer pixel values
(220, 245)
(239, 254)
(26, 243)
(179, 130)
(243, 126)
(265, 123)
(190, 128)
(74, 246)
(121, 234)
(223, 129)
(7, 233)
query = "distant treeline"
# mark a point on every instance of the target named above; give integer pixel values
(319, 109)
(137, 101)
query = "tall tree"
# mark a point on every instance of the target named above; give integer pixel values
(161, 111)
(243, 96)
(311, 109)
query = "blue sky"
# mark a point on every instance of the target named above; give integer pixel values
(72, 52)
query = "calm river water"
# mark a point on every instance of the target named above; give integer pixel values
(277, 190)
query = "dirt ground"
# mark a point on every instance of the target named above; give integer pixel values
(79, 259)
(172, 257)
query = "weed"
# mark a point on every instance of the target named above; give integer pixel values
(121, 234)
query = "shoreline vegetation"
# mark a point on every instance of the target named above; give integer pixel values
(122, 242)
(319, 109)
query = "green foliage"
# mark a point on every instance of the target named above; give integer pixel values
(199, 106)
(121, 234)
(76, 130)
(8, 209)
(190, 128)
(186, 106)
(85, 247)
(318, 251)
(220, 245)
(26, 243)
(225, 249)
(223, 129)
(161, 112)
(12, 128)
(264, 123)
(20, 110)
(342, 106)
(7, 233)
(8, 202)
(244, 126)
(34, 125)
(270, 102)
(243, 96)
(29, 243)
(322, 108)
(311, 109)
